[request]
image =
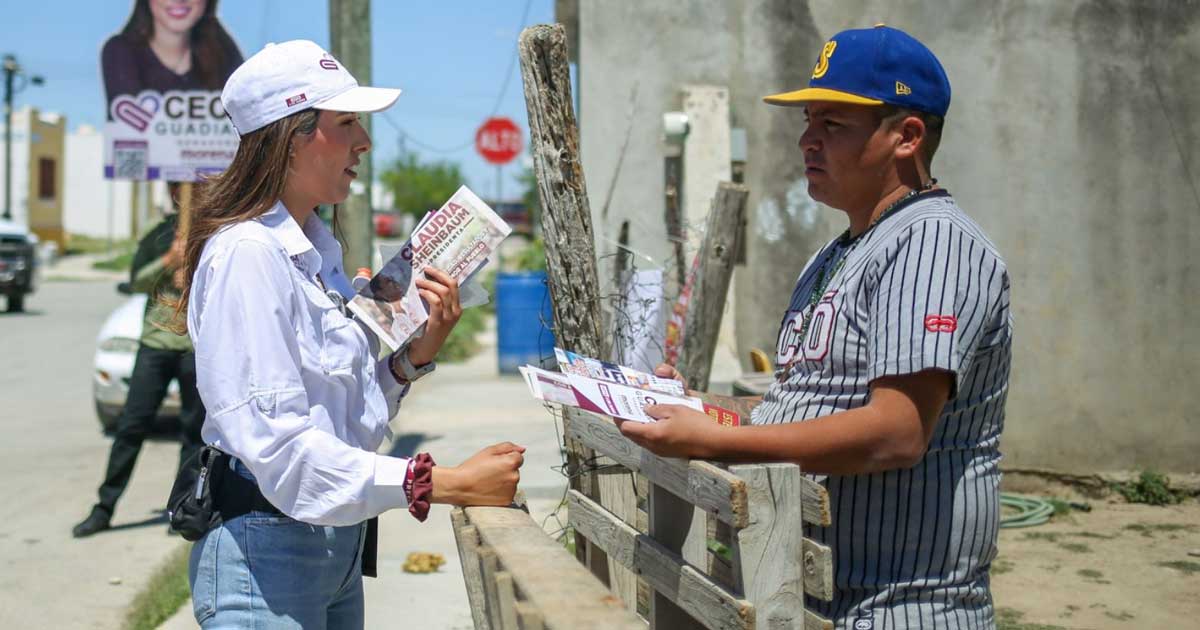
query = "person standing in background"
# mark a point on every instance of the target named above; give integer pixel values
(161, 357)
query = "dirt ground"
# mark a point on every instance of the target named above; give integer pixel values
(1118, 566)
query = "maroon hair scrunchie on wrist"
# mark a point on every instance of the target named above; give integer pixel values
(419, 486)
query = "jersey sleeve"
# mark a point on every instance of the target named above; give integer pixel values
(936, 289)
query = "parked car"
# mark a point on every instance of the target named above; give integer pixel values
(18, 264)
(116, 348)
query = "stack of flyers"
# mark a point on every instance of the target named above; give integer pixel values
(571, 363)
(618, 391)
(602, 397)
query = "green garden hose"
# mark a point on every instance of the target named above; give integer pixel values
(1030, 510)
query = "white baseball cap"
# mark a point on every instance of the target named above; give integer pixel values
(282, 79)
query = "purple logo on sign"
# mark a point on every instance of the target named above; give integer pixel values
(136, 113)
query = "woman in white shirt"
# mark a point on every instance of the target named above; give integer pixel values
(294, 394)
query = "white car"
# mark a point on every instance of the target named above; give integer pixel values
(116, 348)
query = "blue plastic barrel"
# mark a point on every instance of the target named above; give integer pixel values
(523, 320)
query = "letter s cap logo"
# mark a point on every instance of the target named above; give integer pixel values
(823, 63)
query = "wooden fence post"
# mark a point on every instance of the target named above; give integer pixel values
(768, 559)
(707, 304)
(570, 255)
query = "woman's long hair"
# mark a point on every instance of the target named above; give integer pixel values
(210, 42)
(247, 189)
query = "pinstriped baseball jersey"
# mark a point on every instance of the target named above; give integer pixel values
(922, 289)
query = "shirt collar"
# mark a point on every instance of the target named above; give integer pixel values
(313, 247)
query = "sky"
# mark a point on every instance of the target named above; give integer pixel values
(452, 58)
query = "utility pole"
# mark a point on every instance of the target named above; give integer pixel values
(11, 71)
(350, 36)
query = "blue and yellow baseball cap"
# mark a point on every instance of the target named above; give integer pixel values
(873, 66)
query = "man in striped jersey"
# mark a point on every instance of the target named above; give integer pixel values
(893, 357)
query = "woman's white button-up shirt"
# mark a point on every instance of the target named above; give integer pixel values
(290, 384)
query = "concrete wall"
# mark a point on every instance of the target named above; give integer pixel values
(93, 206)
(1072, 138)
(46, 211)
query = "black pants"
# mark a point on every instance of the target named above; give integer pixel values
(152, 371)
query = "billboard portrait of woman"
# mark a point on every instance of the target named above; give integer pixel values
(168, 45)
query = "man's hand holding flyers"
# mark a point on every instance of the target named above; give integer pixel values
(678, 431)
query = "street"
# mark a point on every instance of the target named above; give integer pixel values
(52, 457)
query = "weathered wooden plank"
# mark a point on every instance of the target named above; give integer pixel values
(566, 217)
(617, 538)
(665, 571)
(813, 621)
(704, 485)
(529, 617)
(506, 600)
(707, 486)
(467, 539)
(546, 577)
(815, 501)
(670, 524)
(707, 304)
(489, 566)
(818, 569)
(768, 555)
(617, 493)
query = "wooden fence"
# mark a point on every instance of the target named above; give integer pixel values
(751, 570)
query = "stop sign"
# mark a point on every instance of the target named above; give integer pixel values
(498, 140)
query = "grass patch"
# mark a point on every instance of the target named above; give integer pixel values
(1075, 547)
(1093, 535)
(568, 540)
(1009, 619)
(1150, 488)
(1046, 536)
(1187, 566)
(1149, 529)
(462, 344)
(1090, 574)
(166, 591)
(83, 244)
(120, 262)
(1001, 566)
(1061, 508)
(1119, 616)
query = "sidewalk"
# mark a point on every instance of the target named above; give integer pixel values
(451, 414)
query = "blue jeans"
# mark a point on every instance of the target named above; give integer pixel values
(269, 571)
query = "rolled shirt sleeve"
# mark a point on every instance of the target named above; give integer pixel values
(247, 333)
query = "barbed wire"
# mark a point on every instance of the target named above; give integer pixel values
(635, 309)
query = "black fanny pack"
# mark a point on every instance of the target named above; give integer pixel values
(206, 492)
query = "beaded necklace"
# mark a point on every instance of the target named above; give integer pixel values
(824, 279)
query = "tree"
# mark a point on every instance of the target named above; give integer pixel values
(419, 187)
(531, 198)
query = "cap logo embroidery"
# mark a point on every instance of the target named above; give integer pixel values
(823, 63)
(296, 100)
(328, 63)
(902, 90)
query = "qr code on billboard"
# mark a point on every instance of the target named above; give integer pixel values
(129, 159)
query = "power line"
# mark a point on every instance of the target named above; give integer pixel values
(512, 62)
